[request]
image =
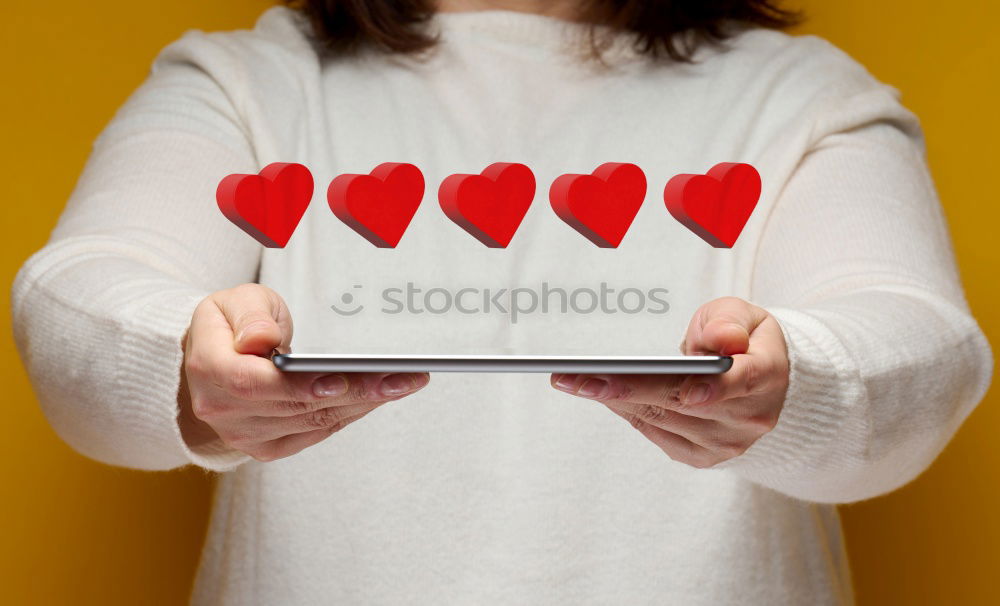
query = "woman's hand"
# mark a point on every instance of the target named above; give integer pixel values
(703, 420)
(230, 390)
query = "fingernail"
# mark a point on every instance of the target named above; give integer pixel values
(330, 385)
(697, 394)
(565, 382)
(250, 327)
(594, 388)
(394, 385)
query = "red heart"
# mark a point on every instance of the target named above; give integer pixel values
(602, 205)
(490, 205)
(380, 205)
(268, 206)
(715, 206)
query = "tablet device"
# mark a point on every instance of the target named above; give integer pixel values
(488, 363)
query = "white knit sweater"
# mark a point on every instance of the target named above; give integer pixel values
(497, 489)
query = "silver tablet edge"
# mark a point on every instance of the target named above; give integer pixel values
(546, 364)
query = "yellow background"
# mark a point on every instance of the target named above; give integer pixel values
(75, 531)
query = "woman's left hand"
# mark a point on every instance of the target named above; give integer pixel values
(703, 420)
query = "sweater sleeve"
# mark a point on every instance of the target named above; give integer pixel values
(856, 264)
(100, 311)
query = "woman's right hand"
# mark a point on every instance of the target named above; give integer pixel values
(231, 391)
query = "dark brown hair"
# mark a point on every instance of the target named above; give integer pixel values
(396, 25)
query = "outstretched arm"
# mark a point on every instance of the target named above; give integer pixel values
(857, 358)
(100, 311)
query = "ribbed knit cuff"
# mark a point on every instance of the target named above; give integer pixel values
(821, 407)
(148, 373)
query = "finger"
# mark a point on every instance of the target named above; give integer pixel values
(764, 367)
(286, 446)
(695, 429)
(323, 418)
(726, 439)
(676, 447)
(258, 318)
(211, 350)
(276, 393)
(767, 341)
(256, 430)
(251, 378)
(722, 326)
(713, 397)
(363, 389)
(750, 375)
(659, 390)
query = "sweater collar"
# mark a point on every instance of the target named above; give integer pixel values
(529, 30)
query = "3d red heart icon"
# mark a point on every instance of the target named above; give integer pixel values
(602, 205)
(490, 205)
(379, 205)
(715, 206)
(269, 205)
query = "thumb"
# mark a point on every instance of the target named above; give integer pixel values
(723, 327)
(258, 318)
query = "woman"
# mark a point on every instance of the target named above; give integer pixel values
(146, 322)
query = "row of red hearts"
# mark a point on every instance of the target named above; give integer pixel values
(491, 205)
